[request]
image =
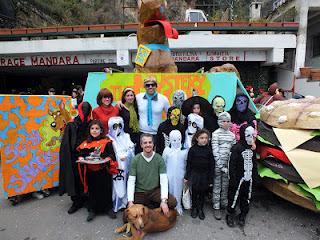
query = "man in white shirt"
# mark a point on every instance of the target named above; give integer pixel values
(151, 105)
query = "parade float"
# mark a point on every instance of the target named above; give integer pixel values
(31, 126)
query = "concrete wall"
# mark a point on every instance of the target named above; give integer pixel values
(303, 86)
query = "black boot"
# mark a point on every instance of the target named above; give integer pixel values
(242, 220)
(112, 214)
(74, 207)
(91, 216)
(230, 220)
(201, 214)
(194, 212)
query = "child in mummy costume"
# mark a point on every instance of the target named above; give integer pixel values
(175, 159)
(241, 168)
(124, 151)
(195, 122)
(222, 141)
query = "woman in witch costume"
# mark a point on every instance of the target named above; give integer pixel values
(98, 157)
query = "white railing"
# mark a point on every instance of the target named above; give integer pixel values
(277, 3)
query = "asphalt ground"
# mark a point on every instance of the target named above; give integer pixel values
(269, 218)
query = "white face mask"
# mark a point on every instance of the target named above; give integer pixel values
(175, 139)
(249, 135)
(195, 122)
(115, 125)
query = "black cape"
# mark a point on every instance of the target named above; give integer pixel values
(74, 135)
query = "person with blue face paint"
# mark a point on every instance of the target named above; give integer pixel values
(241, 114)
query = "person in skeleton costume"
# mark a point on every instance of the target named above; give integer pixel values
(218, 104)
(175, 160)
(177, 100)
(241, 169)
(222, 141)
(241, 114)
(172, 123)
(195, 122)
(124, 150)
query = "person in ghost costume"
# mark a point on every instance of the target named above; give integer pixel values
(241, 170)
(175, 160)
(124, 150)
(222, 141)
(195, 122)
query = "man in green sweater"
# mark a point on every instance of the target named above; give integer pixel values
(148, 182)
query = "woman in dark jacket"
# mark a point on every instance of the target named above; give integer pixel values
(130, 115)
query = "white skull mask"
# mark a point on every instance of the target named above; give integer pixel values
(249, 135)
(195, 122)
(178, 98)
(115, 125)
(175, 139)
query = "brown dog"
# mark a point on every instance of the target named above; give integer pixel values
(142, 220)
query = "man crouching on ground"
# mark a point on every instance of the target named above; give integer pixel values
(148, 182)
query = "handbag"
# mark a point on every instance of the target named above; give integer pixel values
(186, 197)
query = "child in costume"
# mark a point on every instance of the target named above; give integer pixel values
(124, 150)
(241, 114)
(241, 168)
(195, 122)
(175, 159)
(172, 123)
(222, 141)
(199, 170)
(97, 178)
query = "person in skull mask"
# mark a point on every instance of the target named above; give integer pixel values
(172, 123)
(74, 135)
(218, 104)
(124, 151)
(241, 170)
(178, 97)
(195, 122)
(241, 114)
(175, 159)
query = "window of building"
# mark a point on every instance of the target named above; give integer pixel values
(316, 46)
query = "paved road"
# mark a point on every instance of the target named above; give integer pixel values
(269, 218)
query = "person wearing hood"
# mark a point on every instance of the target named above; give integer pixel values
(175, 159)
(195, 123)
(172, 123)
(124, 151)
(241, 170)
(74, 135)
(241, 114)
(273, 94)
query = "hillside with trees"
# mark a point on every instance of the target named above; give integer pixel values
(42, 13)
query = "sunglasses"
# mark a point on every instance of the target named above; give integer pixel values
(150, 85)
(107, 97)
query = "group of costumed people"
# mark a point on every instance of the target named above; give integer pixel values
(199, 143)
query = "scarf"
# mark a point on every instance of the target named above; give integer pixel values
(133, 120)
(149, 108)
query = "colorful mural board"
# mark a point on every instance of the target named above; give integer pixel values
(31, 128)
(206, 85)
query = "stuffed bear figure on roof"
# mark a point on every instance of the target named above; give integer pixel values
(153, 32)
